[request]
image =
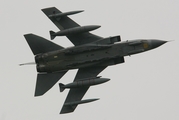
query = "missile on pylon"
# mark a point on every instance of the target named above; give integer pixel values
(75, 30)
(84, 82)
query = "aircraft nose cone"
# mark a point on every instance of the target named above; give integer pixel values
(157, 43)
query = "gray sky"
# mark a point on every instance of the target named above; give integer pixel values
(145, 87)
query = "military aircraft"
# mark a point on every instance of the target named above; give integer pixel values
(90, 54)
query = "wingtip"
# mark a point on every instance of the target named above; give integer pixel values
(47, 8)
(28, 34)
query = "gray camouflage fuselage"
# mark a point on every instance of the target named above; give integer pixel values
(92, 55)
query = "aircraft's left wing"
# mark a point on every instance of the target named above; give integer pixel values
(67, 25)
(76, 94)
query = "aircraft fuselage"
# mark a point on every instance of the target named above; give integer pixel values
(92, 55)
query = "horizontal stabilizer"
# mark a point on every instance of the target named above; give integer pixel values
(47, 81)
(40, 45)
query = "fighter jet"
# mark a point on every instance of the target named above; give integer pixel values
(90, 54)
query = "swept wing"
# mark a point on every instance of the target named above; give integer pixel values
(76, 94)
(63, 22)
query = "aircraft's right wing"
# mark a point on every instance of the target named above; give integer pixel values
(76, 94)
(63, 22)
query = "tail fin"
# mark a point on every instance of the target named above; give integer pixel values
(40, 45)
(52, 36)
(47, 81)
(62, 88)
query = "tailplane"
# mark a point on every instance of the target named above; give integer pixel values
(40, 45)
(46, 81)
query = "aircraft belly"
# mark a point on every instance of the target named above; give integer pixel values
(91, 58)
(59, 60)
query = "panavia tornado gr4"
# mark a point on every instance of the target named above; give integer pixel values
(90, 54)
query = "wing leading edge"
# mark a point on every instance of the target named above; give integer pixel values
(76, 94)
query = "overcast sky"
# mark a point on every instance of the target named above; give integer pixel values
(145, 87)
